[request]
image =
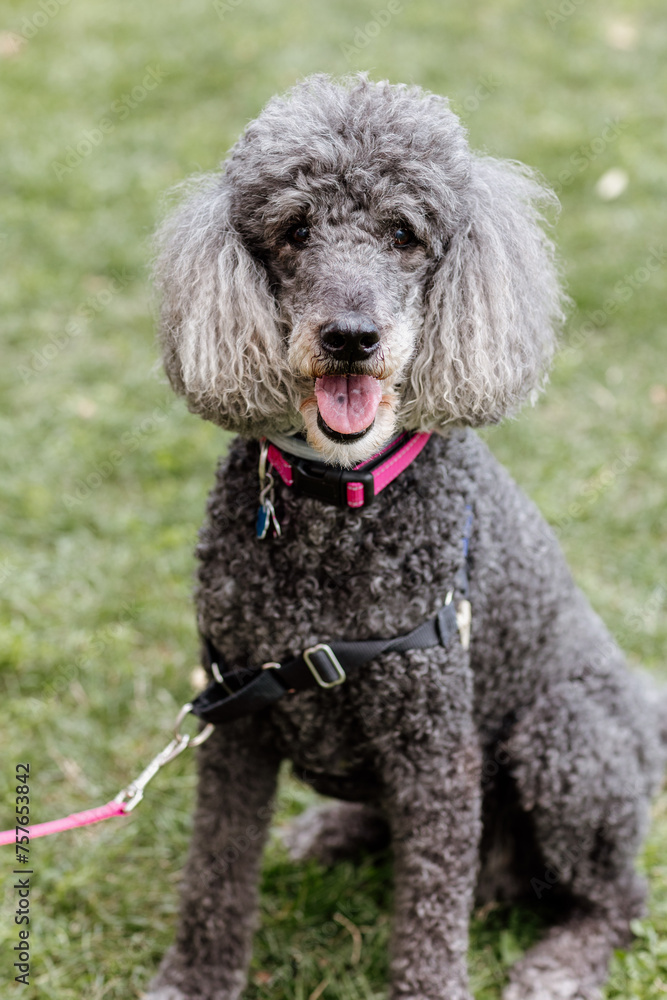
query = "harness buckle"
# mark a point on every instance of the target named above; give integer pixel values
(324, 665)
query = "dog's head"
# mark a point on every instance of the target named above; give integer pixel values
(355, 269)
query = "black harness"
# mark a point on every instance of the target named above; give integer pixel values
(239, 692)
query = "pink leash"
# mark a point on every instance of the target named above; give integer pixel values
(112, 808)
(125, 801)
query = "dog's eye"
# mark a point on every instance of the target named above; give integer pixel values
(298, 234)
(402, 237)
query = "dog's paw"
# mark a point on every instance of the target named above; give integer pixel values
(203, 993)
(329, 833)
(165, 993)
(548, 984)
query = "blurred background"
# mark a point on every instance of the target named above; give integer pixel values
(104, 474)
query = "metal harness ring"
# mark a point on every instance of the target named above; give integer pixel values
(192, 741)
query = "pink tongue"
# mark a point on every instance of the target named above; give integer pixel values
(348, 403)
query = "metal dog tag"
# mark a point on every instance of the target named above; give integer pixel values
(262, 522)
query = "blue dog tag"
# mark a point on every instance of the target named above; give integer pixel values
(266, 515)
(262, 522)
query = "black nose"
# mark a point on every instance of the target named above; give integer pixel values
(352, 337)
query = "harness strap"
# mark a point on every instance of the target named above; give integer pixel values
(235, 693)
(325, 665)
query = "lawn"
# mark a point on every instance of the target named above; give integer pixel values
(104, 474)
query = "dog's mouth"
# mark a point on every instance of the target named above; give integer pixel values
(347, 405)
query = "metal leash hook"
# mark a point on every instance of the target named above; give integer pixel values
(133, 793)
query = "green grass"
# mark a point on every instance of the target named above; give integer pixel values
(104, 476)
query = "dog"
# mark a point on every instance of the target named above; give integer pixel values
(352, 294)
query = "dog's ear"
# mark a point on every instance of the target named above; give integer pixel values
(218, 319)
(494, 307)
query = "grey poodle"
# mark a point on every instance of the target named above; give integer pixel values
(354, 279)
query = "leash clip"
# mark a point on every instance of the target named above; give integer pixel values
(133, 793)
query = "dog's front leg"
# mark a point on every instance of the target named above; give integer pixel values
(237, 779)
(431, 773)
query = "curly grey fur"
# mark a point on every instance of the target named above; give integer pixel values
(524, 766)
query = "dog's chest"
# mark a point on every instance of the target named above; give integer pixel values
(333, 574)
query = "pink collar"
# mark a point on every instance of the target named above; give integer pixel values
(356, 487)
